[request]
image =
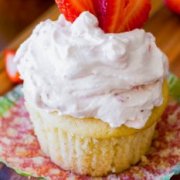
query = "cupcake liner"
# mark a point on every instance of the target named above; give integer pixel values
(20, 150)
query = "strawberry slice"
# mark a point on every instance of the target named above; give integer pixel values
(73, 8)
(114, 16)
(11, 67)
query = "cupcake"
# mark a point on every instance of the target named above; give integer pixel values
(94, 98)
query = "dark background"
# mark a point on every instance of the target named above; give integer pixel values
(15, 15)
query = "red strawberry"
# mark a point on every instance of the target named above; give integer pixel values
(173, 5)
(114, 16)
(11, 67)
(72, 8)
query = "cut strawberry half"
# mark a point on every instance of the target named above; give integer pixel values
(114, 16)
(11, 67)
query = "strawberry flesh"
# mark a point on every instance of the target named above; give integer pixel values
(73, 8)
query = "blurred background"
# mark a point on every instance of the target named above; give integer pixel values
(15, 15)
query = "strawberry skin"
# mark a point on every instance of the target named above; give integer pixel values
(11, 68)
(173, 5)
(114, 16)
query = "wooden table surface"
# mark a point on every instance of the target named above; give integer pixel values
(162, 23)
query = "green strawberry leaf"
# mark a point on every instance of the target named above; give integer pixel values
(174, 86)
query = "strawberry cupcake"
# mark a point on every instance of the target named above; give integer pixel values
(94, 95)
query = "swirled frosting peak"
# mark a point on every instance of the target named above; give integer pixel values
(78, 70)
